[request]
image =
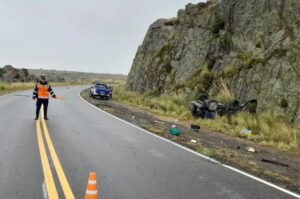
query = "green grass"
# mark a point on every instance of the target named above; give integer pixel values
(267, 129)
(162, 105)
(6, 87)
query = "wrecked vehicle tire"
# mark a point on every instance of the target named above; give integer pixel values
(198, 108)
(212, 105)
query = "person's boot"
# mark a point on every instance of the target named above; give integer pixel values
(46, 118)
(36, 118)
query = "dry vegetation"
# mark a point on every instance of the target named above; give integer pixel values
(267, 129)
(18, 86)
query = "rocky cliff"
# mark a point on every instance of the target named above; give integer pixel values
(253, 45)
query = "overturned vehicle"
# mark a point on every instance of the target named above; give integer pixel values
(206, 108)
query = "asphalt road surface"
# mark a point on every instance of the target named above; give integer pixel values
(130, 163)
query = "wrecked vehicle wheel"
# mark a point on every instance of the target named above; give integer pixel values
(212, 105)
(193, 110)
(198, 108)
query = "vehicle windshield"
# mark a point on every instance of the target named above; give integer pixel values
(101, 86)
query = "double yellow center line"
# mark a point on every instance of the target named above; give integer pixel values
(49, 180)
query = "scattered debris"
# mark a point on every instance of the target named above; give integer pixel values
(246, 131)
(195, 127)
(250, 149)
(238, 147)
(275, 162)
(174, 130)
(159, 122)
(194, 141)
(133, 117)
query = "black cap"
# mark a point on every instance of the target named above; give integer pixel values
(43, 77)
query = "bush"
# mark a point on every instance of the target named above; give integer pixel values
(220, 92)
(230, 71)
(202, 80)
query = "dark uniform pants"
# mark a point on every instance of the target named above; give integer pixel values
(39, 103)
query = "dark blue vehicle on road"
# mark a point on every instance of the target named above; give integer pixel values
(100, 90)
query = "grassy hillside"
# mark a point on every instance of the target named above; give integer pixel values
(13, 79)
(72, 76)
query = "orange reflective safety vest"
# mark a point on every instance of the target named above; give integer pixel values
(43, 91)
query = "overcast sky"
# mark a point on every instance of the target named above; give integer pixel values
(92, 36)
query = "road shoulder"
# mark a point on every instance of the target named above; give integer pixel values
(227, 150)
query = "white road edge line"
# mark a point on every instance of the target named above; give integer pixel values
(45, 193)
(194, 152)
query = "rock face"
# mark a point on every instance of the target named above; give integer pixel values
(253, 45)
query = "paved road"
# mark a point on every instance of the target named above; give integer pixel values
(130, 163)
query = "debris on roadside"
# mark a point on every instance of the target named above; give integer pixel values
(194, 141)
(246, 132)
(195, 127)
(174, 130)
(250, 149)
(274, 162)
(159, 122)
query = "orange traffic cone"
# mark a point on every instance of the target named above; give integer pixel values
(91, 189)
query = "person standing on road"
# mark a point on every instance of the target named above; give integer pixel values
(41, 93)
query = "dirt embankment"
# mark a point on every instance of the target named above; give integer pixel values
(281, 168)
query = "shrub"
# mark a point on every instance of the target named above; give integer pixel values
(220, 92)
(230, 71)
(202, 79)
